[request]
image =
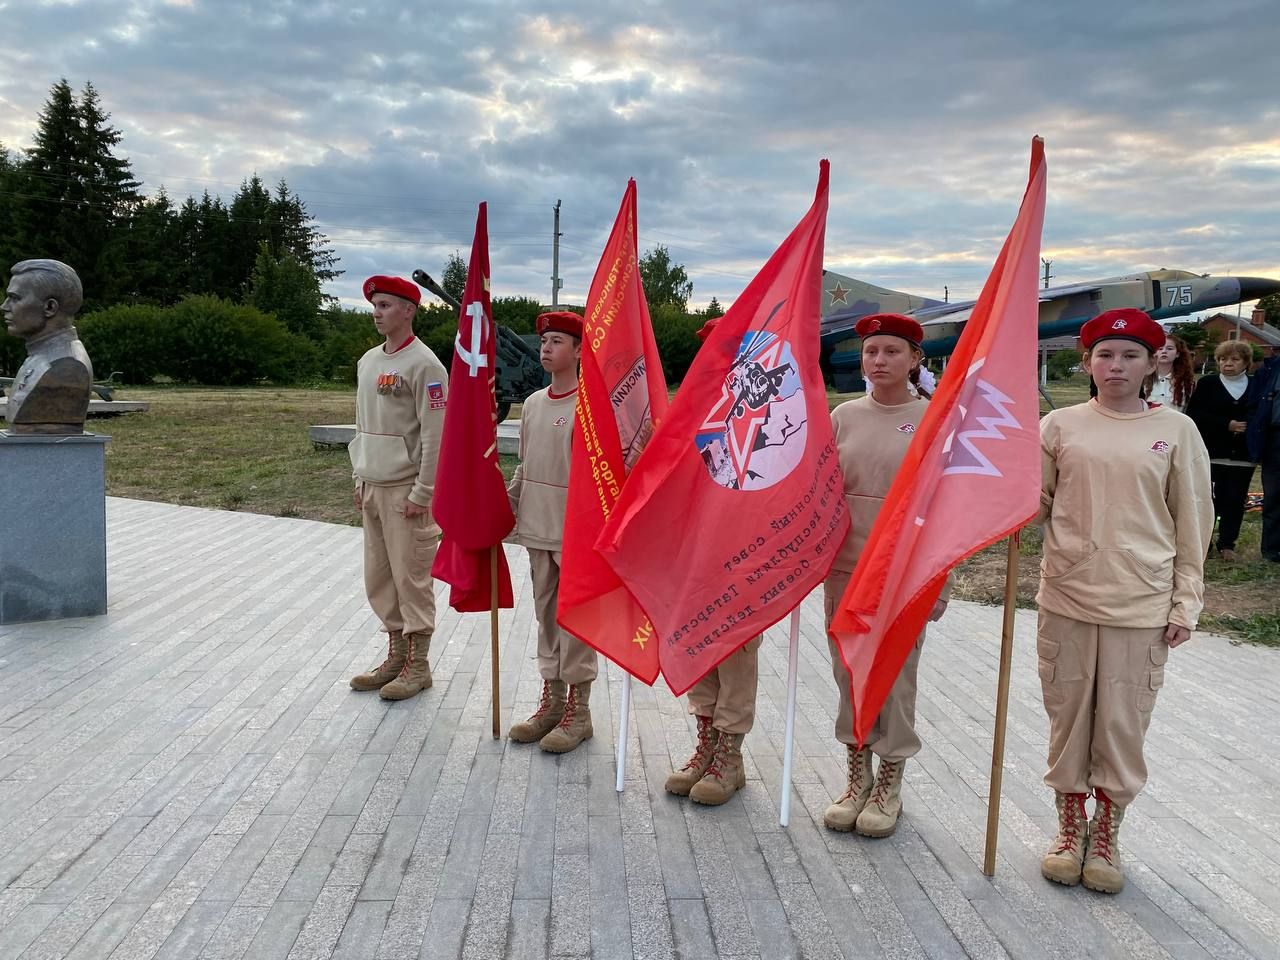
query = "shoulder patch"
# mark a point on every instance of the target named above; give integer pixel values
(435, 395)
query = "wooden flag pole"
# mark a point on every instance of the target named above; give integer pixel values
(1002, 705)
(493, 636)
(793, 657)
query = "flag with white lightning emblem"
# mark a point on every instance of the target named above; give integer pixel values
(970, 477)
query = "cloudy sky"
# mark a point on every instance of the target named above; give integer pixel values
(393, 119)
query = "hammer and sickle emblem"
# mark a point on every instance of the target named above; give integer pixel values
(475, 357)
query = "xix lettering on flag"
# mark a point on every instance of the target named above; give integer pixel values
(621, 396)
(970, 477)
(736, 509)
(470, 499)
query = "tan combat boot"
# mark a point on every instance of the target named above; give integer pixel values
(415, 675)
(725, 776)
(575, 724)
(1102, 871)
(681, 781)
(879, 817)
(843, 814)
(388, 669)
(545, 718)
(1063, 861)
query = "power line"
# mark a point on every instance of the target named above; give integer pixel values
(401, 197)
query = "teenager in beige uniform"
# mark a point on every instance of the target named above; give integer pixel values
(400, 399)
(724, 705)
(539, 492)
(1127, 516)
(872, 434)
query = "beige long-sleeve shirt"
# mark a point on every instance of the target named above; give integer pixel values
(539, 490)
(871, 440)
(1127, 513)
(400, 401)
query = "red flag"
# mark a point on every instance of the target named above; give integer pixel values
(470, 501)
(621, 395)
(970, 477)
(736, 509)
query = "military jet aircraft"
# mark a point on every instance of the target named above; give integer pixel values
(1063, 310)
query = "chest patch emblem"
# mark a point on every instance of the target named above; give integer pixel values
(1160, 446)
(561, 421)
(907, 428)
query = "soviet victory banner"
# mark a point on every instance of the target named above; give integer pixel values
(470, 502)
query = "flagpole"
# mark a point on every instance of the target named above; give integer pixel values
(493, 636)
(784, 816)
(1002, 705)
(624, 718)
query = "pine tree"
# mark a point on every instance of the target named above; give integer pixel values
(295, 234)
(250, 225)
(72, 197)
(49, 190)
(154, 253)
(8, 226)
(217, 241)
(76, 193)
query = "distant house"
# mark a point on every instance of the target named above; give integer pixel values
(1224, 326)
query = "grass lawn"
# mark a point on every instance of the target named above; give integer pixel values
(248, 449)
(232, 449)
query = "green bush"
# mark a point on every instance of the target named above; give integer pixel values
(12, 353)
(430, 316)
(440, 340)
(1060, 364)
(134, 340)
(220, 343)
(676, 333)
(350, 334)
(520, 313)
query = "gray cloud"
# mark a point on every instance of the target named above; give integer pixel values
(393, 122)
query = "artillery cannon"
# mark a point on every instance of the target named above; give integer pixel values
(104, 390)
(518, 371)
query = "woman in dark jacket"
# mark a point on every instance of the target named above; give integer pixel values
(1221, 406)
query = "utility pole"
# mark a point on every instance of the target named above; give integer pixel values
(1047, 275)
(555, 260)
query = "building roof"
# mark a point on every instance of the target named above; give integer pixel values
(1266, 333)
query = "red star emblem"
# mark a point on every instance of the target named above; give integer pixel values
(743, 429)
(839, 294)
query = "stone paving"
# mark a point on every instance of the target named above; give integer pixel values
(190, 777)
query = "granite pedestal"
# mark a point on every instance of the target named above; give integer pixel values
(53, 526)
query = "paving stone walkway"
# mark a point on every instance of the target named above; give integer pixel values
(190, 777)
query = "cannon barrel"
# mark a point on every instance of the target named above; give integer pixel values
(423, 279)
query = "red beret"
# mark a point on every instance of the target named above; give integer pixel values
(890, 324)
(396, 286)
(1125, 323)
(560, 321)
(707, 329)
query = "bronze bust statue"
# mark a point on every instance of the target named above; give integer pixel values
(50, 393)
